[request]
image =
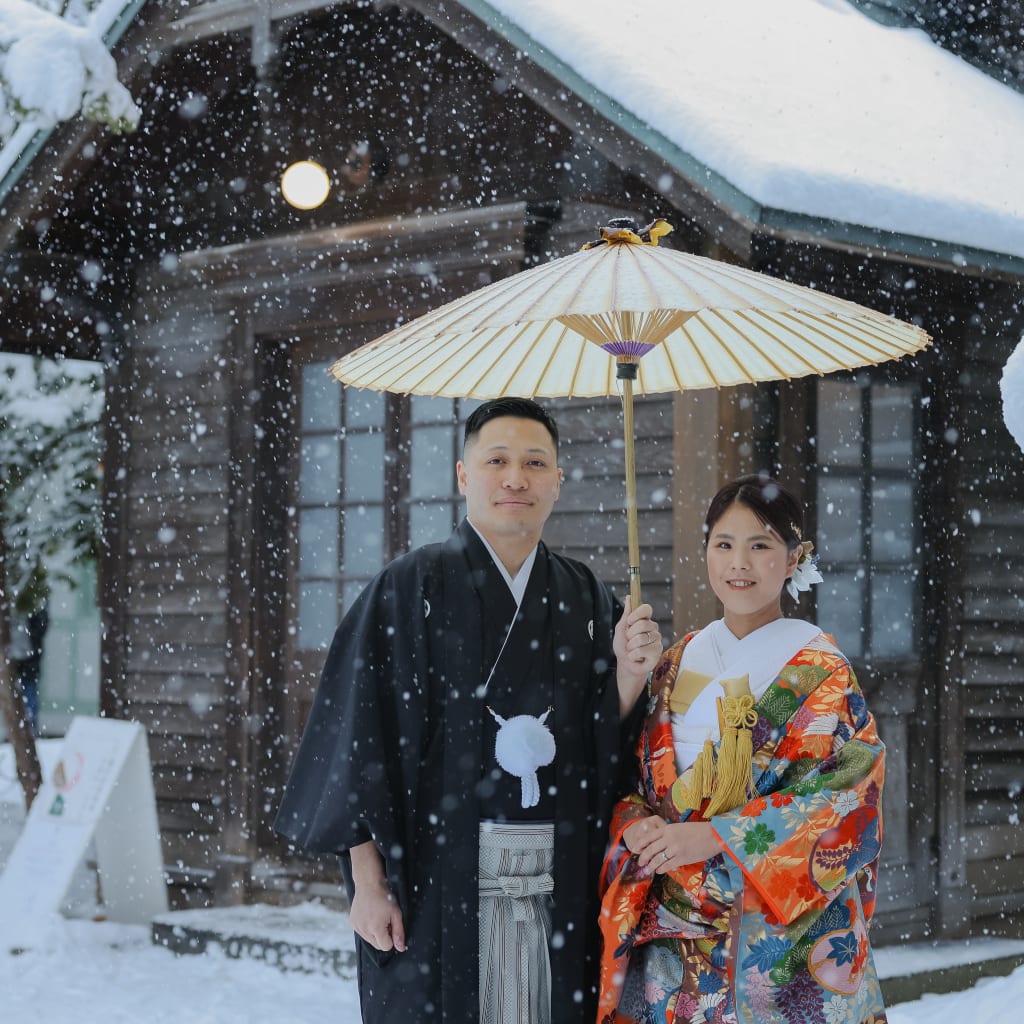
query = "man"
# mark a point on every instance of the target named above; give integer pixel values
(470, 852)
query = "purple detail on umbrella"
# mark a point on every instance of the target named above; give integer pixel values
(627, 348)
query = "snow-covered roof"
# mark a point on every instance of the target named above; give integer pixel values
(802, 115)
(802, 106)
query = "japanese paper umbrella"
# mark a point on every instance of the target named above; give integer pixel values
(626, 313)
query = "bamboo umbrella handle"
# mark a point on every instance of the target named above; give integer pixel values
(632, 530)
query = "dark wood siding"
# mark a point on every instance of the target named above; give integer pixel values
(992, 624)
(172, 624)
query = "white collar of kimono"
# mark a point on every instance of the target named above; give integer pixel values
(716, 651)
(517, 583)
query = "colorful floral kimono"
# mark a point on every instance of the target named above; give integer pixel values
(774, 929)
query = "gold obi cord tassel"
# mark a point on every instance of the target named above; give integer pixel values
(734, 782)
(702, 778)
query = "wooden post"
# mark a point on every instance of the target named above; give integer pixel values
(19, 732)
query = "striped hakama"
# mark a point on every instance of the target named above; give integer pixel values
(516, 860)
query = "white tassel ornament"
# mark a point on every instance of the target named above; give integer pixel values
(524, 744)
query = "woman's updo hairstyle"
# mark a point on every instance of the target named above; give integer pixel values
(773, 505)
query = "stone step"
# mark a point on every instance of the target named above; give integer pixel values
(307, 938)
(313, 939)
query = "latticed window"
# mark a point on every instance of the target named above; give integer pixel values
(376, 478)
(867, 516)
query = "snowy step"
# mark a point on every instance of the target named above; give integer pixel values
(911, 970)
(307, 938)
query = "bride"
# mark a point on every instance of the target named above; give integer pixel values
(740, 880)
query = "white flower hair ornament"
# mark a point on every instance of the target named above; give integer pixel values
(806, 573)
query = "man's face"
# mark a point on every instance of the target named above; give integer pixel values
(510, 478)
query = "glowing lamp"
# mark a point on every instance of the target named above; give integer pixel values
(305, 185)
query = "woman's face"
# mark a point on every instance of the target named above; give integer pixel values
(748, 566)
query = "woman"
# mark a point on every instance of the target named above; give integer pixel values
(740, 879)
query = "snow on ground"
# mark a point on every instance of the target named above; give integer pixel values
(113, 974)
(992, 999)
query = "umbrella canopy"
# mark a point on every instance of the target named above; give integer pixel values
(620, 314)
(686, 321)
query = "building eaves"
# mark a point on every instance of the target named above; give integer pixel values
(755, 216)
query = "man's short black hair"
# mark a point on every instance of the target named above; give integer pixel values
(520, 408)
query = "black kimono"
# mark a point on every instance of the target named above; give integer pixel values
(399, 748)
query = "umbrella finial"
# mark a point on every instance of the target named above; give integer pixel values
(627, 223)
(624, 230)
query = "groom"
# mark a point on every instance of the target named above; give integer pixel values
(471, 901)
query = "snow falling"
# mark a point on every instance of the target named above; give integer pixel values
(194, 503)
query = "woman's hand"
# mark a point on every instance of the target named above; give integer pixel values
(637, 645)
(662, 847)
(640, 834)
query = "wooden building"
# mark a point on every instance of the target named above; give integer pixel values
(247, 498)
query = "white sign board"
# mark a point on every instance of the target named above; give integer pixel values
(102, 790)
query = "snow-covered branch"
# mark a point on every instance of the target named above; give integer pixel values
(53, 67)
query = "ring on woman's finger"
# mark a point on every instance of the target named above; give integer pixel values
(664, 854)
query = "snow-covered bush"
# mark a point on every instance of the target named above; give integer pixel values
(49, 471)
(1012, 386)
